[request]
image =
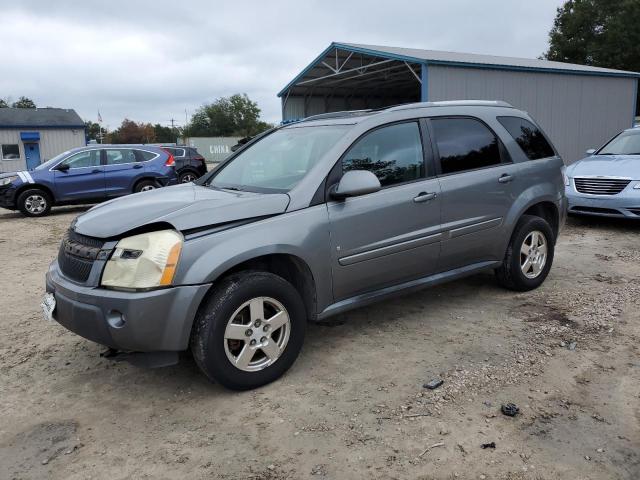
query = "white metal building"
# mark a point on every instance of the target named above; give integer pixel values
(578, 106)
(31, 136)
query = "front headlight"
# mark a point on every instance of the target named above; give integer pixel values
(7, 180)
(144, 261)
(637, 186)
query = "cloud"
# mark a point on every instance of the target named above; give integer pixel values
(151, 61)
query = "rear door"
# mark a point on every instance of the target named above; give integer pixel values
(84, 179)
(476, 175)
(120, 170)
(393, 235)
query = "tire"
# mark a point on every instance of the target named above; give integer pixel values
(515, 273)
(187, 176)
(34, 202)
(145, 185)
(225, 328)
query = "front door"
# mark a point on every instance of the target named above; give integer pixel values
(83, 179)
(32, 153)
(476, 177)
(393, 235)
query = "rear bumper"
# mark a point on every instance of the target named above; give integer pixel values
(626, 204)
(158, 320)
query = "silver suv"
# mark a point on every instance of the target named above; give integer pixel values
(307, 221)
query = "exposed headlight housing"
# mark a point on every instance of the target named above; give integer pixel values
(144, 261)
(7, 180)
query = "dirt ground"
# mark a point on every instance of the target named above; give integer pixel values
(353, 406)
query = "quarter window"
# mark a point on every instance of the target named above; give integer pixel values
(528, 136)
(393, 154)
(464, 144)
(118, 157)
(146, 155)
(10, 152)
(90, 158)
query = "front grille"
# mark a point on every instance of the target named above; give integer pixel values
(77, 254)
(601, 186)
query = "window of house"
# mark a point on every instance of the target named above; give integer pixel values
(392, 153)
(10, 152)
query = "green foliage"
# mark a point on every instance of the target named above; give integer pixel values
(4, 103)
(234, 116)
(24, 102)
(165, 134)
(133, 132)
(92, 130)
(602, 33)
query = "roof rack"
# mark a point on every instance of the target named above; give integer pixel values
(453, 103)
(341, 114)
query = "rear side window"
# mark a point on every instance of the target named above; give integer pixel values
(144, 155)
(464, 144)
(120, 156)
(528, 136)
(393, 154)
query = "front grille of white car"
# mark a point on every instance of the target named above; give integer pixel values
(600, 185)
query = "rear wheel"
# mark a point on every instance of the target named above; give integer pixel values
(34, 202)
(529, 255)
(250, 330)
(145, 186)
(187, 177)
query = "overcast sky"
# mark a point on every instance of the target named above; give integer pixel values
(151, 60)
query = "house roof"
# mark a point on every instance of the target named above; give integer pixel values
(39, 118)
(436, 57)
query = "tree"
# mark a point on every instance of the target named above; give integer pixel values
(234, 116)
(601, 33)
(24, 102)
(92, 130)
(132, 132)
(165, 134)
(4, 103)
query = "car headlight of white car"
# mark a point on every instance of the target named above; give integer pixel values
(144, 261)
(637, 186)
(7, 180)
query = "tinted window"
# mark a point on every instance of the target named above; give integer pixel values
(393, 154)
(90, 158)
(464, 144)
(10, 152)
(120, 156)
(145, 155)
(528, 136)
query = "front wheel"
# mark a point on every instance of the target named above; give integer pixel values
(249, 331)
(34, 203)
(529, 255)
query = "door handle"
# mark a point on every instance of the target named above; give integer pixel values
(137, 165)
(425, 197)
(506, 178)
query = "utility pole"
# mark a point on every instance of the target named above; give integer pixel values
(173, 124)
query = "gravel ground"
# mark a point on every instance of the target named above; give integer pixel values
(353, 406)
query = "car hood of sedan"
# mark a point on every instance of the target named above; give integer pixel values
(184, 207)
(627, 166)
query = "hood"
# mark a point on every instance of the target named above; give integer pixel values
(184, 207)
(607, 166)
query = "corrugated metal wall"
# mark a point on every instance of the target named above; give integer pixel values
(294, 108)
(576, 111)
(52, 142)
(213, 149)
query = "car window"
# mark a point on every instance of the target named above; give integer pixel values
(528, 137)
(89, 158)
(392, 153)
(464, 144)
(146, 155)
(279, 160)
(627, 143)
(178, 152)
(120, 156)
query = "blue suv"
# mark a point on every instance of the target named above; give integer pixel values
(87, 175)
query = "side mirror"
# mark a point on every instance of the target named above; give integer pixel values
(354, 183)
(63, 167)
(591, 151)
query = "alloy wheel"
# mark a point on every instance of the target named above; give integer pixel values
(533, 254)
(35, 204)
(257, 334)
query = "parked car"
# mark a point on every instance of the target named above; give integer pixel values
(87, 175)
(308, 221)
(607, 182)
(190, 165)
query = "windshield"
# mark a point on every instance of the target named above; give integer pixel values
(279, 161)
(53, 161)
(627, 143)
